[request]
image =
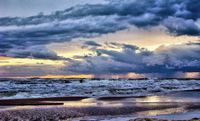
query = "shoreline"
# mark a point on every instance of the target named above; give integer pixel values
(99, 113)
(39, 101)
(122, 108)
(173, 97)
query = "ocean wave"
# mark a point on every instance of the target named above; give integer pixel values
(30, 88)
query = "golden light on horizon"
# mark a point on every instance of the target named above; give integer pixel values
(192, 75)
(9, 61)
(68, 76)
(135, 75)
(118, 76)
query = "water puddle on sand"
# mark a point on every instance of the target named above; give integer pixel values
(171, 116)
(122, 108)
(169, 99)
(178, 107)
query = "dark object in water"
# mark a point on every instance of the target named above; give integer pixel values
(81, 80)
(39, 101)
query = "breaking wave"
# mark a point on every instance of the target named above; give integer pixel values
(29, 88)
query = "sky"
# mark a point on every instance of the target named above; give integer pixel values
(100, 39)
(26, 8)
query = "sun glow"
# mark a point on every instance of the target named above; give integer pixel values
(68, 76)
(192, 75)
(8, 61)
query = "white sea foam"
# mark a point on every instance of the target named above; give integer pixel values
(66, 87)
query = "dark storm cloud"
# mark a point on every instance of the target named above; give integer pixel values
(178, 16)
(33, 7)
(164, 60)
(37, 52)
(91, 43)
(181, 26)
(30, 35)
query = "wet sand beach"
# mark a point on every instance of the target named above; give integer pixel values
(102, 108)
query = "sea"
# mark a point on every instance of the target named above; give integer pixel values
(38, 88)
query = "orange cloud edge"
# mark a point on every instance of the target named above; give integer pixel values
(108, 76)
(89, 76)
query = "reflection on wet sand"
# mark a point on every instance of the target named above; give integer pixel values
(140, 106)
(161, 112)
(151, 99)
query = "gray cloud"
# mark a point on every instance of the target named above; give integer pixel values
(30, 35)
(166, 61)
(181, 26)
(36, 52)
(27, 8)
(163, 61)
(92, 43)
(178, 16)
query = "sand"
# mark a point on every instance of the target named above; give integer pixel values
(113, 108)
